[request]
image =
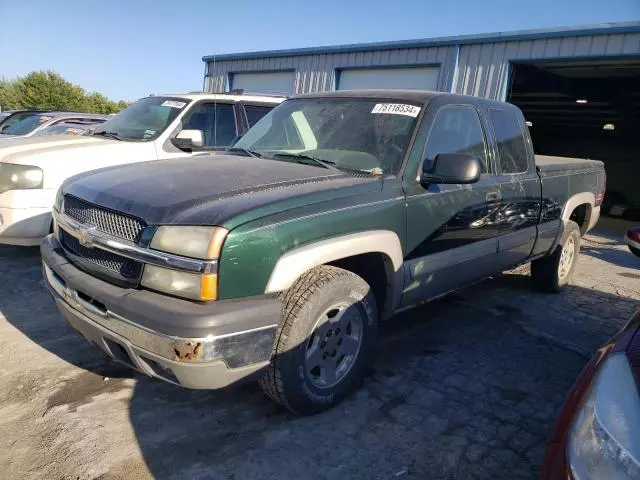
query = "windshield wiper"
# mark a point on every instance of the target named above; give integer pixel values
(104, 133)
(302, 156)
(246, 151)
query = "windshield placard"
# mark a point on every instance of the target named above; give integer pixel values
(396, 109)
(173, 104)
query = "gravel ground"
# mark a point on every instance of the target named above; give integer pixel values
(465, 387)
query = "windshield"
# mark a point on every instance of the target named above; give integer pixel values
(26, 125)
(360, 134)
(144, 120)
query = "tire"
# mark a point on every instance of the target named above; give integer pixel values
(553, 272)
(635, 251)
(322, 315)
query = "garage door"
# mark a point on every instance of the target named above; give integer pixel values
(279, 82)
(406, 78)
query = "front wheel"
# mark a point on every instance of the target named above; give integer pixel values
(553, 272)
(324, 342)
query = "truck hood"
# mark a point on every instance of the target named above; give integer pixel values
(212, 189)
(62, 157)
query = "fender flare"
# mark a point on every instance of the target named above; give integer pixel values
(294, 263)
(578, 199)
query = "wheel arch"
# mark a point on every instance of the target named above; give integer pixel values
(375, 255)
(580, 208)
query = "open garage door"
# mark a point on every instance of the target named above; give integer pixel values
(411, 78)
(586, 109)
(270, 82)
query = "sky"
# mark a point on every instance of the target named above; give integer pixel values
(127, 49)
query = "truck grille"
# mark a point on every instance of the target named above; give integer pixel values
(112, 223)
(129, 270)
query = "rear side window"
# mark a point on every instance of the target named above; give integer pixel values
(511, 144)
(256, 112)
(457, 129)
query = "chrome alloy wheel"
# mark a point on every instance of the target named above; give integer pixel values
(567, 257)
(334, 345)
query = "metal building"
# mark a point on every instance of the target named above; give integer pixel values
(579, 88)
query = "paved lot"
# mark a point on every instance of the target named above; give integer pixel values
(466, 387)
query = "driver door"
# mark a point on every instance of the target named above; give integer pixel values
(451, 231)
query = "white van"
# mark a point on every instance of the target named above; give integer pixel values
(153, 128)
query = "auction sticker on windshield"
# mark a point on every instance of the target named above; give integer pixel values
(173, 104)
(396, 109)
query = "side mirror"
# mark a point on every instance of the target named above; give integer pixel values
(188, 139)
(451, 168)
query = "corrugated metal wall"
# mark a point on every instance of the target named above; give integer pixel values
(482, 67)
(317, 72)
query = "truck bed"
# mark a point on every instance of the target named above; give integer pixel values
(554, 164)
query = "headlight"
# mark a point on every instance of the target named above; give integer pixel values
(604, 441)
(19, 177)
(196, 286)
(196, 242)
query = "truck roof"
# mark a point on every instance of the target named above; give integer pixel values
(226, 96)
(418, 96)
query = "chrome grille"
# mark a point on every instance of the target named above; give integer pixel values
(122, 266)
(116, 224)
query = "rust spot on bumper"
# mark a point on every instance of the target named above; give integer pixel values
(187, 351)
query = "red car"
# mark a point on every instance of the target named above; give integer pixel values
(598, 433)
(632, 239)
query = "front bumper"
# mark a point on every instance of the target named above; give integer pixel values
(25, 216)
(205, 346)
(24, 226)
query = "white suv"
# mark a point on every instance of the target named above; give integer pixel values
(153, 128)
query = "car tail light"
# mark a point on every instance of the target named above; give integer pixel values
(600, 197)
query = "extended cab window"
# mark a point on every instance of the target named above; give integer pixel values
(511, 144)
(216, 121)
(256, 112)
(457, 129)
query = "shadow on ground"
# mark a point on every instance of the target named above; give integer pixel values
(619, 257)
(459, 388)
(25, 301)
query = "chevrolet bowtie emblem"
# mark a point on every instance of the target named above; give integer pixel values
(85, 237)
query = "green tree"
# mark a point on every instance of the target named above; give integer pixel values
(121, 105)
(48, 90)
(98, 103)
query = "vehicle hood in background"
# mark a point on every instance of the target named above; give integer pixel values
(209, 189)
(64, 156)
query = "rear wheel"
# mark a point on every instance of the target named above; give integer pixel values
(324, 342)
(553, 272)
(635, 251)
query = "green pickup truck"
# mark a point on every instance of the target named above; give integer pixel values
(277, 260)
